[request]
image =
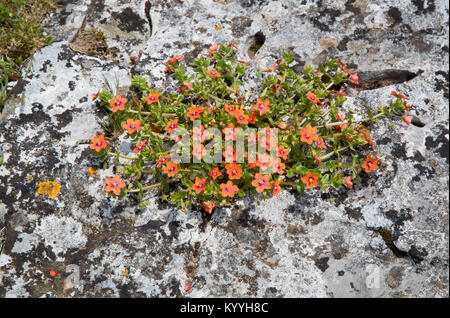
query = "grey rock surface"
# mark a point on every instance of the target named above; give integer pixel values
(317, 245)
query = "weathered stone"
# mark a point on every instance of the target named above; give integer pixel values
(318, 245)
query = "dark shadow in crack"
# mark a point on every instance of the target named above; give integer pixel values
(376, 79)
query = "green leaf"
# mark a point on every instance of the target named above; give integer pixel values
(336, 181)
(140, 82)
(143, 205)
(141, 191)
(331, 165)
(178, 197)
(288, 57)
(322, 68)
(300, 188)
(369, 112)
(193, 175)
(290, 173)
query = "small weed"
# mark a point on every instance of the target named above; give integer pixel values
(313, 142)
(21, 34)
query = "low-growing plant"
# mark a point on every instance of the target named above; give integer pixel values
(296, 131)
(21, 34)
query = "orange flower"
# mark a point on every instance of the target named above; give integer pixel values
(269, 132)
(228, 189)
(313, 98)
(162, 160)
(208, 206)
(241, 117)
(98, 143)
(152, 98)
(171, 169)
(200, 134)
(118, 103)
(231, 132)
(199, 151)
(262, 107)
(139, 146)
(276, 187)
(261, 182)
(310, 179)
(252, 118)
(263, 161)
(171, 125)
(404, 98)
(230, 154)
(283, 152)
(399, 95)
(278, 167)
(370, 164)
(229, 109)
(213, 49)
(234, 171)
(173, 60)
(195, 112)
(340, 117)
(343, 68)
(199, 185)
(354, 78)
(320, 143)
(114, 184)
(377, 158)
(94, 97)
(348, 182)
(339, 92)
(215, 173)
(265, 142)
(365, 133)
(308, 135)
(132, 125)
(185, 87)
(253, 138)
(273, 68)
(407, 119)
(213, 73)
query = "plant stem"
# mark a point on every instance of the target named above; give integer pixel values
(289, 183)
(328, 155)
(346, 121)
(122, 156)
(150, 113)
(147, 187)
(152, 185)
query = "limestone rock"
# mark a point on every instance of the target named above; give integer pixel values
(318, 245)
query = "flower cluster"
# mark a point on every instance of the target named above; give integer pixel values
(295, 130)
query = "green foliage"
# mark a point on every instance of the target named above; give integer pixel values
(20, 36)
(315, 140)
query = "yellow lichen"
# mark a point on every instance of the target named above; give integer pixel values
(92, 171)
(50, 188)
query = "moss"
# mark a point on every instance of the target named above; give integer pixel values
(21, 34)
